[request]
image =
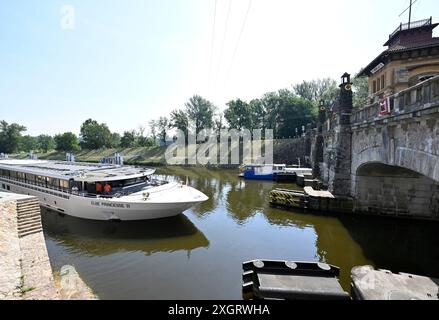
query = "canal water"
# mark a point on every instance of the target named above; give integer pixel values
(199, 255)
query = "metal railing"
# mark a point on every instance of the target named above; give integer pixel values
(416, 98)
(64, 193)
(412, 25)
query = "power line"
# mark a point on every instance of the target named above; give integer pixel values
(239, 38)
(224, 36)
(213, 44)
(410, 7)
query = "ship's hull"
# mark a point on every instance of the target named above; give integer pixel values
(253, 176)
(176, 200)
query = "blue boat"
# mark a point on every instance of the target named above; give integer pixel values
(261, 171)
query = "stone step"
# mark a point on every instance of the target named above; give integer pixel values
(30, 218)
(29, 232)
(24, 212)
(27, 202)
(28, 214)
(35, 209)
(22, 221)
(29, 225)
(29, 206)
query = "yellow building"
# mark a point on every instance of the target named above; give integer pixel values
(412, 56)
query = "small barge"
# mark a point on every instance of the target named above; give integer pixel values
(310, 199)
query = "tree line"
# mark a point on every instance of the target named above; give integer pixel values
(284, 111)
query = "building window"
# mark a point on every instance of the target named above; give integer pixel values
(382, 81)
(374, 86)
(378, 84)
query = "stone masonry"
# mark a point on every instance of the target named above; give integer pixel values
(388, 163)
(25, 270)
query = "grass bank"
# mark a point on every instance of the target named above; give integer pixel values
(285, 151)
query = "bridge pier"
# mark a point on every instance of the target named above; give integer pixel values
(337, 154)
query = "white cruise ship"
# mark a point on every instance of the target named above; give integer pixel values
(97, 191)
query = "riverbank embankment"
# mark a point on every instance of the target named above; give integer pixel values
(288, 151)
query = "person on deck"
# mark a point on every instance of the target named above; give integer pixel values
(98, 188)
(107, 188)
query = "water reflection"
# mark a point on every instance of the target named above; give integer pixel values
(401, 245)
(100, 238)
(242, 198)
(349, 241)
(238, 224)
(343, 240)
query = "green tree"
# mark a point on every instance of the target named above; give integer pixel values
(128, 139)
(258, 114)
(321, 89)
(238, 115)
(219, 123)
(95, 135)
(67, 142)
(28, 143)
(180, 121)
(163, 125)
(46, 143)
(10, 135)
(286, 112)
(153, 129)
(361, 91)
(201, 112)
(143, 141)
(330, 96)
(115, 140)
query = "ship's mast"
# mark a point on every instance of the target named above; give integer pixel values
(410, 11)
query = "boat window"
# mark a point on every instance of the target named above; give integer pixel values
(30, 178)
(78, 184)
(41, 181)
(129, 182)
(55, 183)
(91, 188)
(20, 176)
(64, 184)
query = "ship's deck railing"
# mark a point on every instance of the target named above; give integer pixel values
(60, 192)
(416, 98)
(63, 193)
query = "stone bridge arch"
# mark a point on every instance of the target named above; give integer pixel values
(383, 188)
(419, 161)
(370, 150)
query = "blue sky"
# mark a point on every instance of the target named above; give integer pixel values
(127, 62)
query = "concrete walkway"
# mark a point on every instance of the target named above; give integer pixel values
(25, 270)
(371, 284)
